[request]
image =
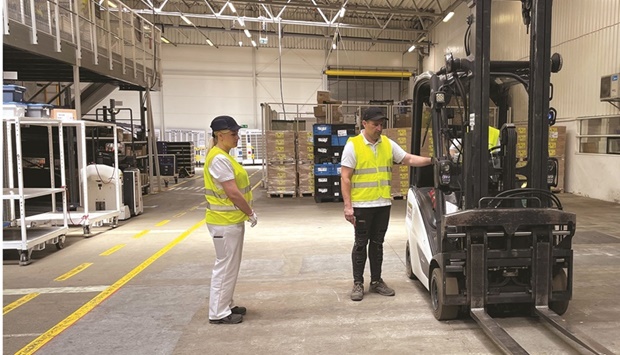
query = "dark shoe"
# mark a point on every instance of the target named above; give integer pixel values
(358, 292)
(239, 310)
(231, 319)
(381, 288)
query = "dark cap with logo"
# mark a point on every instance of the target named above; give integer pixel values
(373, 113)
(221, 123)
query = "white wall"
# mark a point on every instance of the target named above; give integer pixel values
(587, 35)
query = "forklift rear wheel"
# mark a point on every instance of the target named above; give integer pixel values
(408, 269)
(440, 310)
(559, 283)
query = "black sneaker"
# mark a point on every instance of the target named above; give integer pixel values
(381, 288)
(357, 294)
(239, 310)
(231, 319)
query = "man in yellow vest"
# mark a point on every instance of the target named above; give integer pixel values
(366, 175)
(229, 205)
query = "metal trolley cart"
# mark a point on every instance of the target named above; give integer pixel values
(21, 232)
(89, 216)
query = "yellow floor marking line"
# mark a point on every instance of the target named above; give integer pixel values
(254, 173)
(141, 234)
(73, 272)
(203, 203)
(179, 214)
(162, 223)
(193, 208)
(90, 305)
(19, 302)
(255, 186)
(112, 250)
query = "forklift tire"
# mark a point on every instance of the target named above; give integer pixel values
(408, 269)
(559, 283)
(440, 310)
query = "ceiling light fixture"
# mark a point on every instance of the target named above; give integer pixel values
(209, 42)
(448, 16)
(334, 45)
(187, 21)
(165, 40)
(247, 33)
(240, 44)
(241, 22)
(253, 43)
(342, 11)
(411, 48)
(112, 5)
(232, 7)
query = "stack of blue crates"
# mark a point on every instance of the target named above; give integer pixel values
(329, 141)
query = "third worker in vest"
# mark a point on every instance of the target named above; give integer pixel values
(229, 205)
(366, 175)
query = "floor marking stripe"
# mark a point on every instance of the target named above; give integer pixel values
(162, 223)
(44, 338)
(11, 306)
(141, 234)
(254, 173)
(21, 335)
(112, 250)
(73, 272)
(44, 290)
(179, 214)
(255, 186)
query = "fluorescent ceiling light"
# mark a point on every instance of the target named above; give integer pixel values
(247, 33)
(111, 4)
(342, 11)
(209, 42)
(448, 16)
(187, 21)
(334, 45)
(411, 48)
(232, 7)
(240, 44)
(253, 43)
(241, 22)
(165, 40)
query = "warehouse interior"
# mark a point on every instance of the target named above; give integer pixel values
(107, 108)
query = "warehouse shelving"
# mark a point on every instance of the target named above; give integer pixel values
(23, 233)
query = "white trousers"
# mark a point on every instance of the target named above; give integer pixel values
(228, 242)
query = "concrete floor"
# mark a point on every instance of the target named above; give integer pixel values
(151, 295)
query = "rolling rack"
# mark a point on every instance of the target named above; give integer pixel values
(22, 233)
(88, 217)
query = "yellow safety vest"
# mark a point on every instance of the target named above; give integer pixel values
(220, 209)
(372, 175)
(493, 136)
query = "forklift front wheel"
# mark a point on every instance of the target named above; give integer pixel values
(408, 269)
(559, 283)
(440, 310)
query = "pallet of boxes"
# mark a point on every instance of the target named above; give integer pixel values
(325, 104)
(281, 164)
(556, 147)
(400, 173)
(305, 163)
(329, 141)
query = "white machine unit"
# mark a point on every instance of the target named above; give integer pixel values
(610, 87)
(101, 182)
(132, 191)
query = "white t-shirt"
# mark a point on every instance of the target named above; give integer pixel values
(350, 160)
(221, 170)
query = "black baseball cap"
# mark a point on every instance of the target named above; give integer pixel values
(373, 113)
(221, 123)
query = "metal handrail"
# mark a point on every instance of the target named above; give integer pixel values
(112, 31)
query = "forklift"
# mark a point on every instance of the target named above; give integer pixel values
(484, 231)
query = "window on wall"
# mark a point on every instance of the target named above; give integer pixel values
(363, 91)
(599, 135)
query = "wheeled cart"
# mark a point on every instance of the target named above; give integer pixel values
(21, 233)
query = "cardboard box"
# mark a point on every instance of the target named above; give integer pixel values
(322, 97)
(319, 111)
(63, 114)
(402, 120)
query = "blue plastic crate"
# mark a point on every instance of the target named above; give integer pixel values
(322, 129)
(324, 169)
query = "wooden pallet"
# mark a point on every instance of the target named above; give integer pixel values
(306, 194)
(281, 195)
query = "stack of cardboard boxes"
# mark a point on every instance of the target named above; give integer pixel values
(305, 163)
(281, 163)
(400, 173)
(326, 103)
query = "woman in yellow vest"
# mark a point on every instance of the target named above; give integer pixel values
(229, 205)
(366, 175)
